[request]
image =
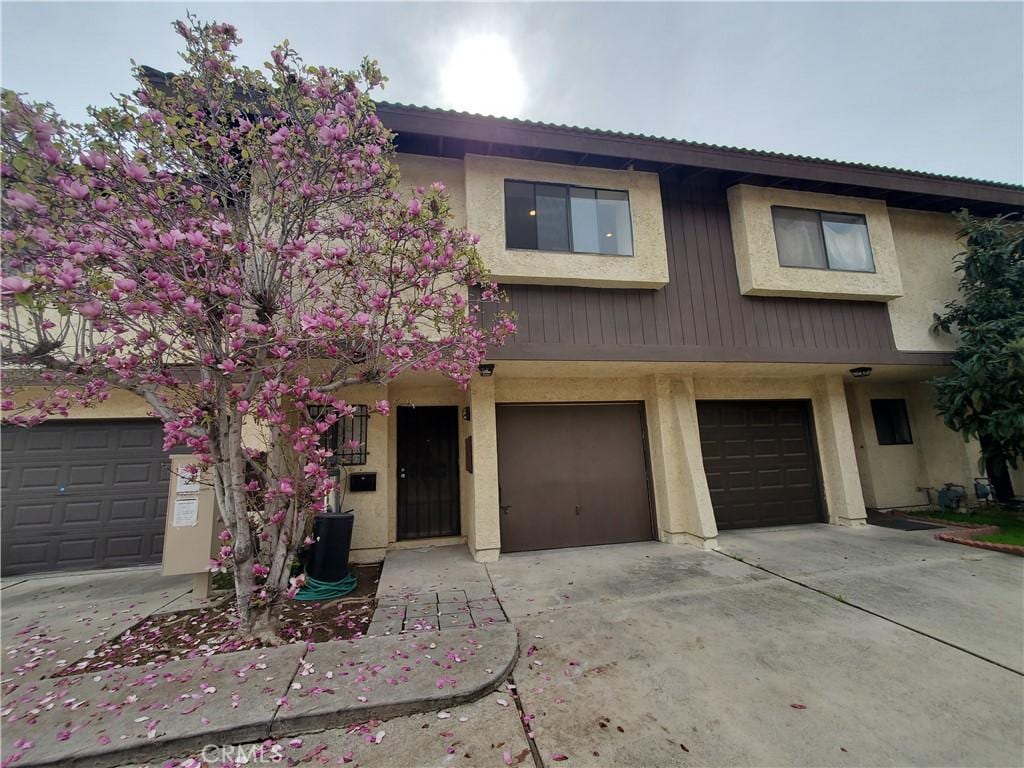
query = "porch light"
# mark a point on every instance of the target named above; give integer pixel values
(861, 373)
(486, 369)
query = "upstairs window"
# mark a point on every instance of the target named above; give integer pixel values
(822, 240)
(560, 217)
(891, 423)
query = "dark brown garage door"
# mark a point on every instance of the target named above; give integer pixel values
(83, 494)
(572, 475)
(760, 462)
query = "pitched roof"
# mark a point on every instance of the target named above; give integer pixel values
(587, 131)
(453, 131)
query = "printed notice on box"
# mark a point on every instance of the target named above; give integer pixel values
(187, 483)
(186, 513)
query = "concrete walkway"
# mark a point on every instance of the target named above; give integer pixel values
(50, 620)
(177, 708)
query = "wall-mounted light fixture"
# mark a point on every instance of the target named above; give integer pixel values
(486, 369)
(860, 373)
(465, 414)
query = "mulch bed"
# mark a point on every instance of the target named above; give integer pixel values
(196, 633)
(947, 523)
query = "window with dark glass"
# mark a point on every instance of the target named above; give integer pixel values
(560, 217)
(822, 240)
(891, 423)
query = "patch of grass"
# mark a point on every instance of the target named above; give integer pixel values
(1015, 537)
(1011, 525)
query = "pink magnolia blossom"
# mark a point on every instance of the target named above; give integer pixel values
(95, 160)
(23, 201)
(69, 276)
(15, 284)
(74, 189)
(209, 295)
(136, 171)
(90, 309)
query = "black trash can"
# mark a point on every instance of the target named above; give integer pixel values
(328, 556)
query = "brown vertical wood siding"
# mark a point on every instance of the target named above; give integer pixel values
(700, 314)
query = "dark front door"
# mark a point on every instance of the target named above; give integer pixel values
(572, 475)
(760, 462)
(428, 471)
(83, 494)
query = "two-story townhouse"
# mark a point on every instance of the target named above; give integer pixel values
(708, 338)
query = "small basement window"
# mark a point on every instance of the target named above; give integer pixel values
(891, 423)
(822, 240)
(561, 217)
(347, 437)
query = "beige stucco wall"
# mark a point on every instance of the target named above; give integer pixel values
(855, 470)
(925, 245)
(1017, 478)
(422, 171)
(485, 200)
(370, 508)
(681, 494)
(120, 405)
(484, 529)
(896, 475)
(757, 257)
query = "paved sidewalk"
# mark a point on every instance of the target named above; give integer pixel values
(146, 713)
(51, 620)
(436, 649)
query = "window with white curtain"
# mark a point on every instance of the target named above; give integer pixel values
(822, 240)
(561, 217)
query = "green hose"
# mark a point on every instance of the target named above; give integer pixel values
(315, 589)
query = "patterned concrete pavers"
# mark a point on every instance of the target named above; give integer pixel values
(434, 611)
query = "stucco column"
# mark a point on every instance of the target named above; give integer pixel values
(685, 514)
(840, 478)
(484, 535)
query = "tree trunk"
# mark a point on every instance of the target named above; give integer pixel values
(256, 616)
(997, 470)
(263, 623)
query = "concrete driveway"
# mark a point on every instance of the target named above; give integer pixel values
(823, 646)
(50, 620)
(650, 654)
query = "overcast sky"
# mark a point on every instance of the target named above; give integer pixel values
(927, 86)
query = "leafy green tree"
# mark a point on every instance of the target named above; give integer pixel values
(983, 397)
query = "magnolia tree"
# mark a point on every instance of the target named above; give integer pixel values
(230, 245)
